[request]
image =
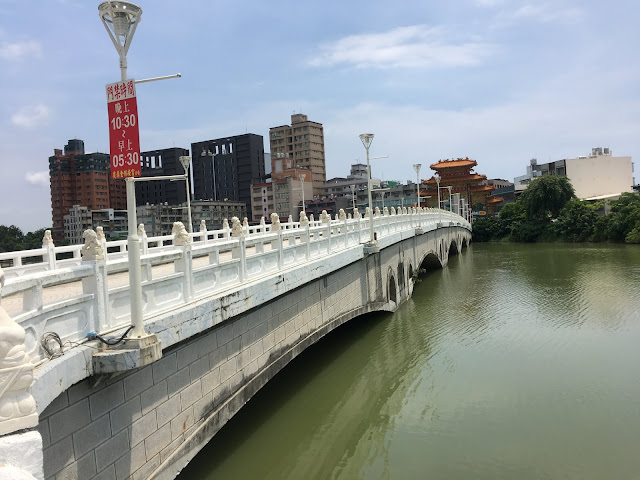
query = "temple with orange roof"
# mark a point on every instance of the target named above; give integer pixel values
(457, 173)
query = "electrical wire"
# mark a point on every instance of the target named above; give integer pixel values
(110, 341)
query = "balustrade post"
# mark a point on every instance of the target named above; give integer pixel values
(93, 253)
(280, 250)
(240, 251)
(184, 264)
(144, 250)
(203, 231)
(50, 255)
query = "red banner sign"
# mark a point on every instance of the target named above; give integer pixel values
(124, 136)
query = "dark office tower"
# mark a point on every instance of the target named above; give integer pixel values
(223, 169)
(79, 178)
(162, 162)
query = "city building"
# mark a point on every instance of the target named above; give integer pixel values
(79, 218)
(283, 196)
(340, 187)
(300, 144)
(79, 178)
(458, 180)
(157, 163)
(158, 219)
(225, 168)
(594, 177)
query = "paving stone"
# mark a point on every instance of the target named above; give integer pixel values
(168, 410)
(164, 367)
(60, 402)
(106, 399)
(91, 436)
(178, 381)
(112, 449)
(183, 421)
(138, 382)
(143, 427)
(124, 415)
(154, 396)
(207, 344)
(191, 395)
(58, 456)
(187, 355)
(198, 368)
(157, 440)
(80, 470)
(131, 461)
(69, 420)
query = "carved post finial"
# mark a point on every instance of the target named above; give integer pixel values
(393, 210)
(341, 214)
(47, 240)
(275, 221)
(141, 231)
(376, 212)
(385, 211)
(100, 233)
(311, 218)
(180, 235)
(203, 226)
(92, 248)
(324, 217)
(356, 213)
(236, 227)
(225, 224)
(17, 405)
(304, 221)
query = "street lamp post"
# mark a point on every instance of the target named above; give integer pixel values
(437, 177)
(353, 198)
(124, 18)
(450, 205)
(121, 20)
(302, 177)
(186, 161)
(366, 139)
(416, 167)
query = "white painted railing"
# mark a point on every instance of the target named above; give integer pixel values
(73, 297)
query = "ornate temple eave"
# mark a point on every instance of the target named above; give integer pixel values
(458, 162)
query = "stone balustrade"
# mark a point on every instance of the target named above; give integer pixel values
(76, 296)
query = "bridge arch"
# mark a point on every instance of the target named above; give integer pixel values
(220, 352)
(392, 295)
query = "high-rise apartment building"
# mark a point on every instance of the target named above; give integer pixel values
(79, 178)
(223, 169)
(300, 144)
(162, 162)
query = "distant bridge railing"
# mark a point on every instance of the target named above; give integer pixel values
(73, 297)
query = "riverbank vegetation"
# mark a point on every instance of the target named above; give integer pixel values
(548, 211)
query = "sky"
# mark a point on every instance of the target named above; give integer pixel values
(499, 81)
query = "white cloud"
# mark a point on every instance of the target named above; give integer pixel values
(543, 13)
(415, 46)
(38, 178)
(18, 50)
(31, 116)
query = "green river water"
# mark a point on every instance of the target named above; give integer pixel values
(514, 362)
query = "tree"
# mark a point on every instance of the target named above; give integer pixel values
(10, 238)
(577, 221)
(623, 219)
(546, 196)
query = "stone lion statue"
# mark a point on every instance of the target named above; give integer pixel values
(92, 248)
(275, 221)
(236, 227)
(180, 235)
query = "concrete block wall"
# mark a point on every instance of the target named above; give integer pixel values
(128, 426)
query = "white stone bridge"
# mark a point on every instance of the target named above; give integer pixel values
(230, 307)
